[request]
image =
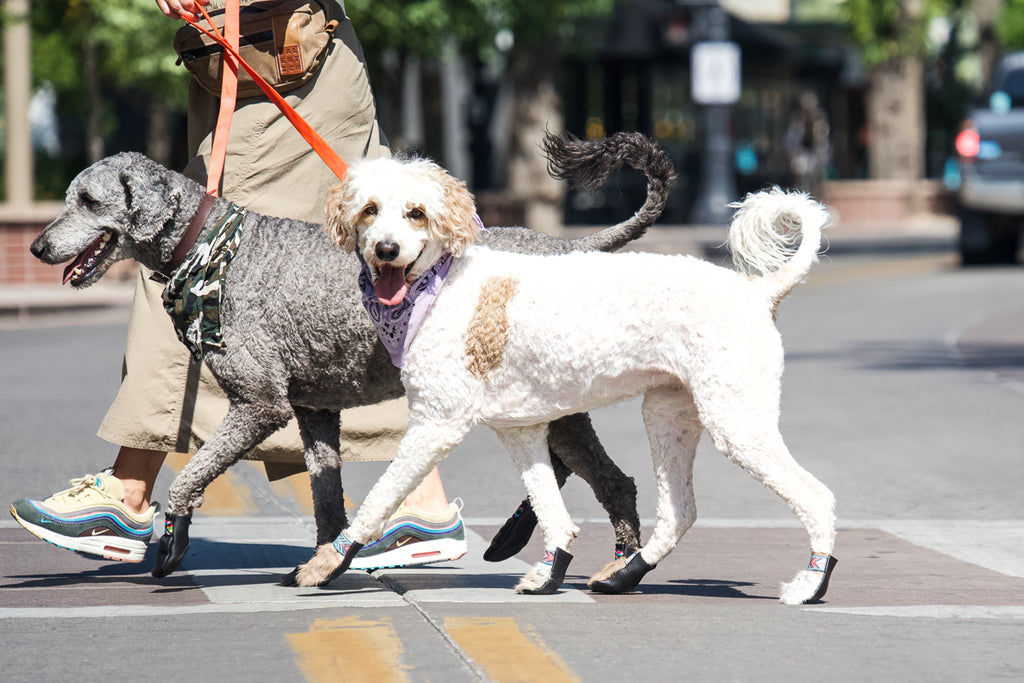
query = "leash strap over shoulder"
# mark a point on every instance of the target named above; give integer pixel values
(228, 95)
(319, 145)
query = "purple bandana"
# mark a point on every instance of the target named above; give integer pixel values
(397, 325)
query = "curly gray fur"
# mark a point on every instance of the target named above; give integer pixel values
(296, 337)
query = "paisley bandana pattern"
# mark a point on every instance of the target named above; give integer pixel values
(397, 325)
(194, 291)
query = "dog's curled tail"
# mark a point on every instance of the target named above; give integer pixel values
(777, 235)
(588, 163)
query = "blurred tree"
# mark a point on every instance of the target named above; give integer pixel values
(892, 37)
(93, 50)
(524, 36)
(1010, 28)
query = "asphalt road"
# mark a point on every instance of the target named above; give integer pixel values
(904, 392)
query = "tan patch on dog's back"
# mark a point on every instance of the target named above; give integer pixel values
(488, 328)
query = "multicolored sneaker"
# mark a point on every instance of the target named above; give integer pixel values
(414, 537)
(89, 517)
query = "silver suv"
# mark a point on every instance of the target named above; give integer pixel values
(990, 148)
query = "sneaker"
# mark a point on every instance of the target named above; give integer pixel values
(90, 518)
(414, 537)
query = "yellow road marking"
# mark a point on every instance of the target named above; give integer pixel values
(226, 496)
(505, 653)
(350, 649)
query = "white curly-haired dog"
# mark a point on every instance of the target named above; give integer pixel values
(515, 341)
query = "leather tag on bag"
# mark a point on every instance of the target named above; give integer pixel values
(290, 61)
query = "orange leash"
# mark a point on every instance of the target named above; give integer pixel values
(319, 145)
(228, 96)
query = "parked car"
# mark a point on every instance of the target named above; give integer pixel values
(990, 149)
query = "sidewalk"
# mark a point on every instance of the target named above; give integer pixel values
(925, 234)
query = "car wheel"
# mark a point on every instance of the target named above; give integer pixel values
(987, 239)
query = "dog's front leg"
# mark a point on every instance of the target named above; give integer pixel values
(423, 446)
(244, 427)
(320, 432)
(528, 448)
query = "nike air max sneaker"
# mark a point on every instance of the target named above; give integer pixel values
(414, 537)
(90, 518)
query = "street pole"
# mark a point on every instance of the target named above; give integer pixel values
(716, 186)
(18, 166)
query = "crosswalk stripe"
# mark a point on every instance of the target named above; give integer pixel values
(352, 648)
(504, 652)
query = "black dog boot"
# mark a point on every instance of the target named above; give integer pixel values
(823, 564)
(513, 535)
(350, 549)
(626, 579)
(559, 561)
(173, 544)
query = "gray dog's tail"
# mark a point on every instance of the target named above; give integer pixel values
(588, 163)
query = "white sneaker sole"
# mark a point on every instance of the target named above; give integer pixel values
(414, 555)
(109, 547)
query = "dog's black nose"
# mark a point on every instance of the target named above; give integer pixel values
(39, 248)
(386, 251)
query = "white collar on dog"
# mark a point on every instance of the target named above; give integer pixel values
(397, 325)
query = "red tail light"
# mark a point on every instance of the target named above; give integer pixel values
(968, 142)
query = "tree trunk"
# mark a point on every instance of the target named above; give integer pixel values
(537, 111)
(94, 98)
(896, 120)
(158, 133)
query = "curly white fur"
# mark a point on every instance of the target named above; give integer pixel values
(588, 329)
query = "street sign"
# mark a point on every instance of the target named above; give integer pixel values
(715, 72)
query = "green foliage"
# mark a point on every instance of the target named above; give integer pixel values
(422, 26)
(1010, 28)
(133, 41)
(890, 29)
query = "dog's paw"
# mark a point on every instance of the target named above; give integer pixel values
(321, 569)
(547, 576)
(534, 579)
(606, 571)
(809, 585)
(173, 544)
(625, 578)
(513, 535)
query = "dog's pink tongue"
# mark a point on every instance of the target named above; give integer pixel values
(390, 288)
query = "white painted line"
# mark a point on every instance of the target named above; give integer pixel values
(116, 611)
(929, 611)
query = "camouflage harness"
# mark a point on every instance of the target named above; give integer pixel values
(194, 291)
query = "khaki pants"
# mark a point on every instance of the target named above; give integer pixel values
(168, 403)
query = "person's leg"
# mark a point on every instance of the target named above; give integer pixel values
(429, 496)
(137, 469)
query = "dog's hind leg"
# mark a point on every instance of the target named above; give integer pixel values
(749, 436)
(528, 448)
(320, 436)
(673, 429)
(574, 441)
(244, 427)
(574, 448)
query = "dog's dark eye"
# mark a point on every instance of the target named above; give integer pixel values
(88, 201)
(370, 210)
(416, 214)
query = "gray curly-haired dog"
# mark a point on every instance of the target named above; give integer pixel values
(306, 346)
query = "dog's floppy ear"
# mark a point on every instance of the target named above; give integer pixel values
(340, 225)
(456, 225)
